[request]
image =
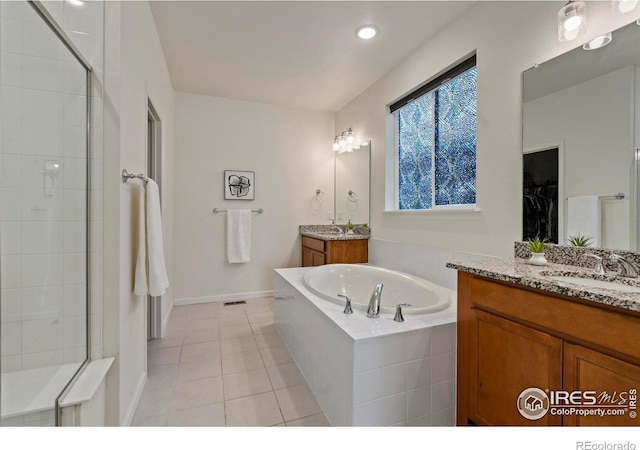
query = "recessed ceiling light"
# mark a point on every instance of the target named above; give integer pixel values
(76, 2)
(366, 32)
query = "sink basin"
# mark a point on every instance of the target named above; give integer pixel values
(596, 283)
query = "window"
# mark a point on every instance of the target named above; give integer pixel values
(436, 141)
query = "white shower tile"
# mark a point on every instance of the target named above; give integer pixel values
(11, 107)
(11, 204)
(393, 349)
(42, 106)
(42, 237)
(75, 142)
(10, 238)
(75, 355)
(95, 259)
(11, 69)
(86, 18)
(75, 300)
(10, 339)
(42, 359)
(367, 386)
(75, 268)
(443, 418)
(32, 176)
(96, 174)
(42, 270)
(96, 329)
(11, 137)
(367, 414)
(10, 305)
(442, 395)
(42, 139)
(75, 110)
(75, 205)
(10, 364)
(75, 331)
(95, 233)
(42, 303)
(96, 143)
(419, 344)
(75, 237)
(42, 74)
(90, 45)
(75, 78)
(11, 10)
(11, 271)
(41, 335)
(75, 173)
(10, 166)
(38, 207)
(38, 40)
(10, 35)
(366, 355)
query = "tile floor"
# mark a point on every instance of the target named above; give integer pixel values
(224, 366)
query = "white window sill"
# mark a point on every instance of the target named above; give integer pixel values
(437, 211)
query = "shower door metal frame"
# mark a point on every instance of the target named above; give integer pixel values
(53, 25)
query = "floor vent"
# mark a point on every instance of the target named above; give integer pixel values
(239, 302)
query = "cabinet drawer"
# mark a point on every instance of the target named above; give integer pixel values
(315, 244)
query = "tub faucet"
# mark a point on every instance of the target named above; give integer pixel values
(347, 306)
(625, 268)
(373, 311)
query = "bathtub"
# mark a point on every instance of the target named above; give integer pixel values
(364, 371)
(358, 282)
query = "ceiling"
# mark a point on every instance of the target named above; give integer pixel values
(300, 54)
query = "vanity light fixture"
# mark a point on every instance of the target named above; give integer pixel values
(343, 142)
(572, 20)
(367, 32)
(624, 6)
(598, 42)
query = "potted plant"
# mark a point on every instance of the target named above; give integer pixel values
(350, 227)
(537, 247)
(579, 241)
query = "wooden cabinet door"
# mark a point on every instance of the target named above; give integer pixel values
(505, 359)
(318, 259)
(589, 370)
(307, 257)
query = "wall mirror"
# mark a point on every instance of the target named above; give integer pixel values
(581, 130)
(352, 185)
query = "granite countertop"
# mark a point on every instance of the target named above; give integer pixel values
(329, 233)
(518, 271)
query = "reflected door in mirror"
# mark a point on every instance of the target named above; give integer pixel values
(540, 195)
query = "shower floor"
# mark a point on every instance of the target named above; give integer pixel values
(225, 366)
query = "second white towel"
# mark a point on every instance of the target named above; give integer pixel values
(238, 235)
(584, 217)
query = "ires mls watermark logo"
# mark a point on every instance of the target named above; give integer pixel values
(534, 403)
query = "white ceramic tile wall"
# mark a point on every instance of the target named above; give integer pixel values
(398, 379)
(42, 230)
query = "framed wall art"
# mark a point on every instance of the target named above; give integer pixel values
(239, 185)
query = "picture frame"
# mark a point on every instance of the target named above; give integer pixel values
(239, 185)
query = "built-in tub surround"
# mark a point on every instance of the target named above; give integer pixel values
(368, 372)
(331, 233)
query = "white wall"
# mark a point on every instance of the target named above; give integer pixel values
(509, 37)
(594, 122)
(352, 174)
(136, 68)
(290, 152)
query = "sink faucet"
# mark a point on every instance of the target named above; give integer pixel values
(333, 224)
(373, 311)
(625, 268)
(598, 269)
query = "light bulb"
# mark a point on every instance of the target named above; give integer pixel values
(625, 6)
(336, 145)
(343, 141)
(598, 42)
(573, 21)
(349, 136)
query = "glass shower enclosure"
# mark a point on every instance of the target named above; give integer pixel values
(44, 156)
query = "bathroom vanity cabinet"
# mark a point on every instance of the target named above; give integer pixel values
(513, 337)
(317, 252)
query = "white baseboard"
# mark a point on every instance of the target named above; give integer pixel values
(131, 409)
(222, 298)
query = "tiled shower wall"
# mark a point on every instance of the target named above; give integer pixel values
(43, 260)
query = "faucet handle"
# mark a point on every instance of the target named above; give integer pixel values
(399, 317)
(347, 306)
(598, 269)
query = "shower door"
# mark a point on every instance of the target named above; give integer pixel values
(43, 214)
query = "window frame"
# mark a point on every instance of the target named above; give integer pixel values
(429, 86)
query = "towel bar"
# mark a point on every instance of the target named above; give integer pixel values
(217, 211)
(126, 176)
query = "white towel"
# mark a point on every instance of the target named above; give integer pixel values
(239, 235)
(584, 217)
(151, 272)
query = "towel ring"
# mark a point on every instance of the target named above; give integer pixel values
(320, 195)
(352, 197)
